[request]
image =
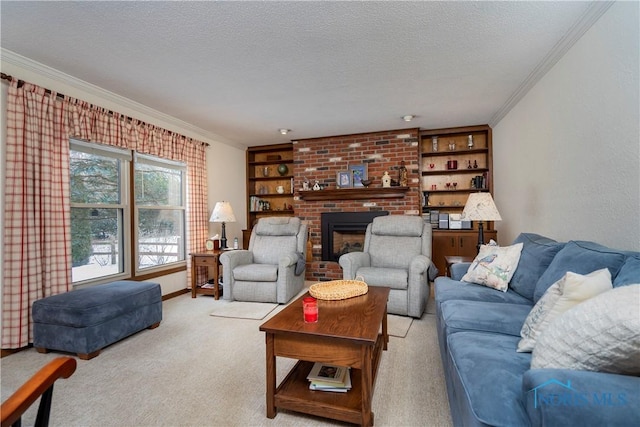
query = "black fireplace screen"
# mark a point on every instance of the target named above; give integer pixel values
(343, 232)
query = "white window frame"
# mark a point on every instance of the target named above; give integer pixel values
(164, 163)
(125, 157)
(130, 211)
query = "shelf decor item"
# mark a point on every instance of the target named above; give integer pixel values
(283, 169)
(343, 179)
(434, 143)
(358, 173)
(403, 175)
(386, 180)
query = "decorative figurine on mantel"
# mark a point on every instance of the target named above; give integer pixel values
(317, 186)
(306, 185)
(386, 180)
(403, 175)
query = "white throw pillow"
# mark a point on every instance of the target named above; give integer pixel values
(494, 266)
(566, 293)
(601, 334)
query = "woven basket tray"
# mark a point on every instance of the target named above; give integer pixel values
(338, 289)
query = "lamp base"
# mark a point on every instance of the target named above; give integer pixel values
(223, 239)
(480, 235)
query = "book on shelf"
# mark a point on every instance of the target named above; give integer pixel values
(207, 286)
(329, 378)
(327, 373)
(325, 386)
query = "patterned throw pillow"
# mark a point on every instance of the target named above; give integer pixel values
(566, 293)
(601, 334)
(494, 266)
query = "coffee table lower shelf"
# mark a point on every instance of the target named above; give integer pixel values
(294, 393)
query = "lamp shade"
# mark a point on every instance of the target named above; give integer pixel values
(480, 207)
(222, 212)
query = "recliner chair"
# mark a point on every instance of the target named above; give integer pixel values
(272, 269)
(397, 254)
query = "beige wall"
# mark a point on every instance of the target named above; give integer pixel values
(225, 163)
(567, 156)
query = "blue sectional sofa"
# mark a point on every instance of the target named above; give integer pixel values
(489, 383)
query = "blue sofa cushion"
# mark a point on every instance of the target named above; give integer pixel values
(582, 258)
(629, 273)
(489, 377)
(448, 289)
(537, 253)
(96, 304)
(498, 317)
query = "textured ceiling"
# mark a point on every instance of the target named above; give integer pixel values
(242, 70)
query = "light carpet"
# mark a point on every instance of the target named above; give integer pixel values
(201, 370)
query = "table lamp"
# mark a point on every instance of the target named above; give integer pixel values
(223, 213)
(480, 207)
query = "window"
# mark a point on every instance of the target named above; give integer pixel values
(160, 211)
(99, 182)
(116, 235)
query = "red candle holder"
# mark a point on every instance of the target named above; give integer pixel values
(310, 309)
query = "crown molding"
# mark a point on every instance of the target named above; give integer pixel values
(586, 21)
(24, 63)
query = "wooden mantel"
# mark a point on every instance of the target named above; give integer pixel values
(355, 193)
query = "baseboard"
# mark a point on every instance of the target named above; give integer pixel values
(175, 294)
(9, 351)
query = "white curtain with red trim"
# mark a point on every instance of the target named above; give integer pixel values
(37, 261)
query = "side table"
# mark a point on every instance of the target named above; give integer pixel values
(206, 259)
(450, 260)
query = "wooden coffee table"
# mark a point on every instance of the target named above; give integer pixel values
(347, 334)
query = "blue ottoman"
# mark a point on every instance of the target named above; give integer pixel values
(86, 320)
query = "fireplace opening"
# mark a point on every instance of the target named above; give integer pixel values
(343, 232)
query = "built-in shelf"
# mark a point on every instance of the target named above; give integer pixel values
(453, 171)
(454, 152)
(355, 193)
(459, 190)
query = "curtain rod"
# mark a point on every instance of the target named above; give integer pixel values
(4, 76)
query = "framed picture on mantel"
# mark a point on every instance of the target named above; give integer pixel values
(343, 179)
(358, 173)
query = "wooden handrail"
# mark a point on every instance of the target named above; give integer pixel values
(42, 381)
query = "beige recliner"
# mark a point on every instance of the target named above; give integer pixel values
(397, 254)
(272, 269)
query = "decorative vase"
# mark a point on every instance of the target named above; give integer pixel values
(283, 169)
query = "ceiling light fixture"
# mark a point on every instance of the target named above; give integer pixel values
(407, 118)
(284, 131)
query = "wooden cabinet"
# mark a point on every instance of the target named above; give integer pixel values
(456, 243)
(269, 181)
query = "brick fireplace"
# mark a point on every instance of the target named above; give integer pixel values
(320, 159)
